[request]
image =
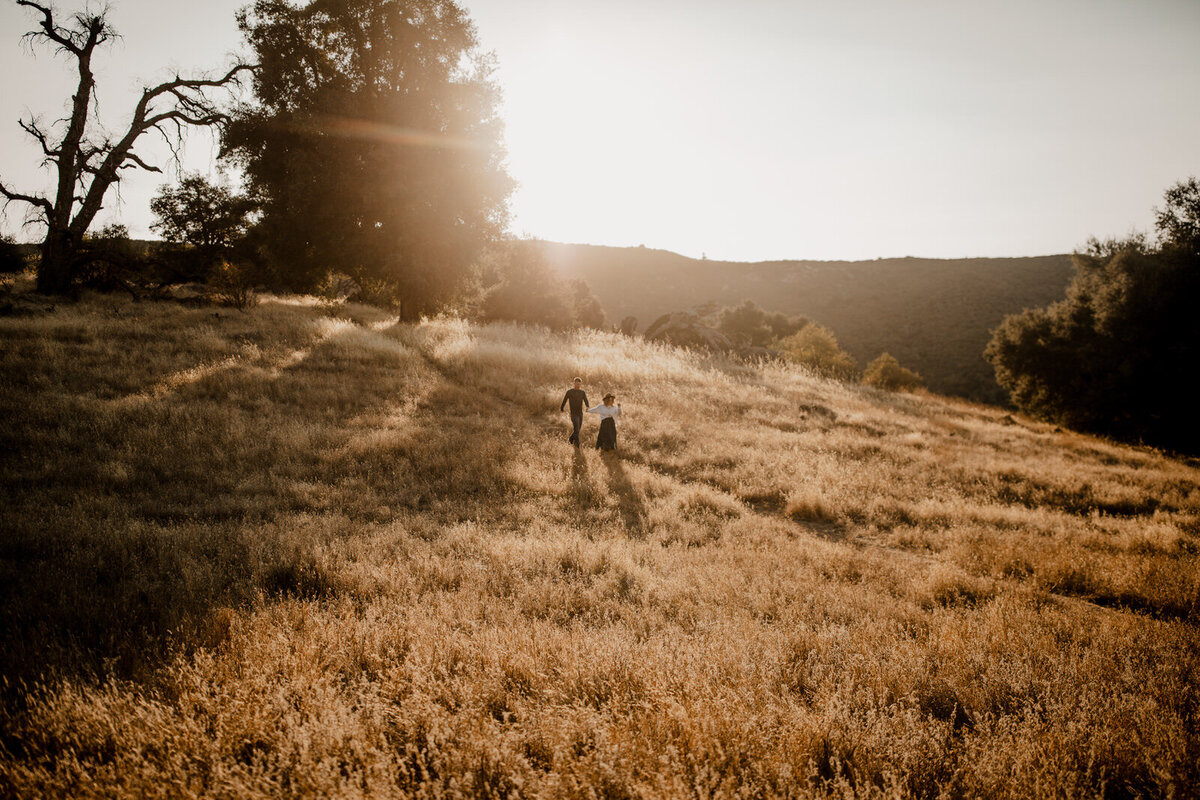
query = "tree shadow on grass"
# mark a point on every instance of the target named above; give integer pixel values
(88, 599)
(131, 527)
(829, 531)
(629, 498)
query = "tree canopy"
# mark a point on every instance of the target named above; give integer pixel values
(1110, 357)
(374, 145)
(203, 222)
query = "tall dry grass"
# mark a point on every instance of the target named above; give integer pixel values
(308, 551)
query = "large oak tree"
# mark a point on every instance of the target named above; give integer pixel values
(1112, 356)
(374, 145)
(86, 161)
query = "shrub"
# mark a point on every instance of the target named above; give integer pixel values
(12, 260)
(337, 287)
(109, 260)
(377, 292)
(232, 284)
(747, 324)
(885, 372)
(815, 347)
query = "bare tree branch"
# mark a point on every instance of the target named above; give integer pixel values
(31, 127)
(133, 160)
(93, 30)
(34, 200)
(178, 115)
(192, 108)
(201, 83)
(87, 152)
(59, 36)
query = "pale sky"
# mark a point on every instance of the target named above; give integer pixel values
(764, 129)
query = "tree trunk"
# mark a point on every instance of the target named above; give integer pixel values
(54, 273)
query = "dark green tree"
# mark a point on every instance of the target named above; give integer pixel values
(203, 224)
(748, 325)
(1178, 223)
(374, 145)
(1108, 358)
(588, 310)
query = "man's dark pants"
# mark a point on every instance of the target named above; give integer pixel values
(576, 423)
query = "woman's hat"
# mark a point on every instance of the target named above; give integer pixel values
(609, 396)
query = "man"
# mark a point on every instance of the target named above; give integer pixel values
(578, 400)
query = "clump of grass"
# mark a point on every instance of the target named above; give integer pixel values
(806, 505)
(948, 586)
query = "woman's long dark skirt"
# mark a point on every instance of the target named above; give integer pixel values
(607, 438)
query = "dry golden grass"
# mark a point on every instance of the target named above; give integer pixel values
(308, 551)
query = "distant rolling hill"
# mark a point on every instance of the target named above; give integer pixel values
(934, 315)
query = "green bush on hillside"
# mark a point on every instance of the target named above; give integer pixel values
(885, 372)
(588, 310)
(815, 347)
(748, 325)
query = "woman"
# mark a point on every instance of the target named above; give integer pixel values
(607, 438)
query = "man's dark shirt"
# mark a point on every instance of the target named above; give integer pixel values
(578, 399)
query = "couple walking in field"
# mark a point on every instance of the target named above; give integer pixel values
(608, 411)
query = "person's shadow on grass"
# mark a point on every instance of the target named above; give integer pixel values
(629, 498)
(582, 491)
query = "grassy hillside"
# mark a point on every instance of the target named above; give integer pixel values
(308, 551)
(935, 316)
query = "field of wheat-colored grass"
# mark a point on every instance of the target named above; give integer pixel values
(307, 550)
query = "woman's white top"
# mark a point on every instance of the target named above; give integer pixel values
(609, 412)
